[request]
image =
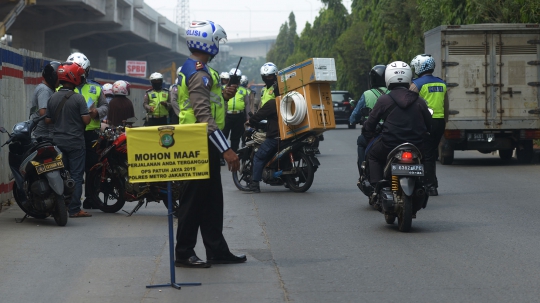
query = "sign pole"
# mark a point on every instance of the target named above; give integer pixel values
(171, 248)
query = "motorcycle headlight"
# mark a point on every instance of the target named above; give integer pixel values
(20, 127)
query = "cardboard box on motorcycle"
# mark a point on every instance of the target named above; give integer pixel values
(311, 79)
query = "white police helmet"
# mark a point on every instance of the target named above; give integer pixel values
(156, 76)
(80, 59)
(268, 69)
(233, 70)
(205, 36)
(423, 63)
(244, 81)
(224, 75)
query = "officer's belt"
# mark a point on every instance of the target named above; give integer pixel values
(234, 112)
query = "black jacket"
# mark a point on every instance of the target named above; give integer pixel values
(407, 122)
(267, 112)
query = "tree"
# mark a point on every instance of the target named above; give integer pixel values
(285, 42)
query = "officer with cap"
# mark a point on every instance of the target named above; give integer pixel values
(157, 102)
(201, 100)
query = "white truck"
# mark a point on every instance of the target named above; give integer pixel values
(492, 72)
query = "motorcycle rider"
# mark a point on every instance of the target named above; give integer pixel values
(120, 107)
(42, 93)
(268, 111)
(201, 100)
(405, 114)
(269, 76)
(368, 99)
(433, 90)
(157, 101)
(97, 107)
(69, 113)
(237, 114)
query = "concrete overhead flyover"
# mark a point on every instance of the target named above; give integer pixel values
(123, 29)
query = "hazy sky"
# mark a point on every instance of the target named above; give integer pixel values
(235, 16)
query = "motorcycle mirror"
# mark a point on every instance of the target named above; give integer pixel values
(3, 130)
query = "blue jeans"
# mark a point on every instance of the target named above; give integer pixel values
(74, 160)
(265, 152)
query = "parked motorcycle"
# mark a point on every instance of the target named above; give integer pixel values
(401, 194)
(108, 181)
(293, 166)
(42, 186)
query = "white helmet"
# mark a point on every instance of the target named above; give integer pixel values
(107, 89)
(205, 36)
(80, 59)
(423, 63)
(238, 72)
(397, 72)
(156, 76)
(268, 69)
(121, 88)
(244, 81)
(224, 75)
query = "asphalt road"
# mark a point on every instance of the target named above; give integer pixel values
(476, 242)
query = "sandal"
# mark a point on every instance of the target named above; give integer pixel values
(80, 214)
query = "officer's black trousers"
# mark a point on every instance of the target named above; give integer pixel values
(234, 124)
(202, 206)
(91, 158)
(432, 149)
(157, 121)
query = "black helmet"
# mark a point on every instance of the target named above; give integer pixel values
(49, 73)
(376, 76)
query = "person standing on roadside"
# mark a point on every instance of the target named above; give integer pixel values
(201, 101)
(69, 114)
(42, 94)
(97, 108)
(157, 102)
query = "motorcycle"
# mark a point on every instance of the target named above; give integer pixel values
(401, 193)
(42, 186)
(293, 165)
(108, 181)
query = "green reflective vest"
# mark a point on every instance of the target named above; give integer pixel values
(433, 90)
(238, 102)
(267, 94)
(154, 100)
(187, 115)
(371, 96)
(91, 93)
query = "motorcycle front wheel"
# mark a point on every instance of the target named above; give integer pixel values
(305, 174)
(108, 195)
(405, 215)
(60, 214)
(242, 177)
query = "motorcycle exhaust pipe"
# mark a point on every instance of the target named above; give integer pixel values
(420, 192)
(69, 186)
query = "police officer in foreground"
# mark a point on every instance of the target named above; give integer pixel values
(201, 101)
(157, 102)
(433, 90)
(98, 108)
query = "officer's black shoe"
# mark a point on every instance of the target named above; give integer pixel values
(222, 162)
(254, 187)
(432, 191)
(192, 262)
(229, 258)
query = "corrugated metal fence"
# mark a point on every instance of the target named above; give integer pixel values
(20, 73)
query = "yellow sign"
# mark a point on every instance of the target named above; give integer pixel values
(168, 153)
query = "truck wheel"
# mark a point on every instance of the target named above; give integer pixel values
(525, 152)
(446, 153)
(506, 154)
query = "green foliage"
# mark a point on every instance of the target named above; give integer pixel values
(382, 31)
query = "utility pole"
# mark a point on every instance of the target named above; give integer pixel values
(182, 13)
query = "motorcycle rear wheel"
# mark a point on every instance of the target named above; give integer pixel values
(60, 214)
(305, 174)
(32, 213)
(405, 215)
(113, 187)
(242, 177)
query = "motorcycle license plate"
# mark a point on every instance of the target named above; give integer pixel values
(310, 150)
(407, 169)
(46, 167)
(480, 137)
